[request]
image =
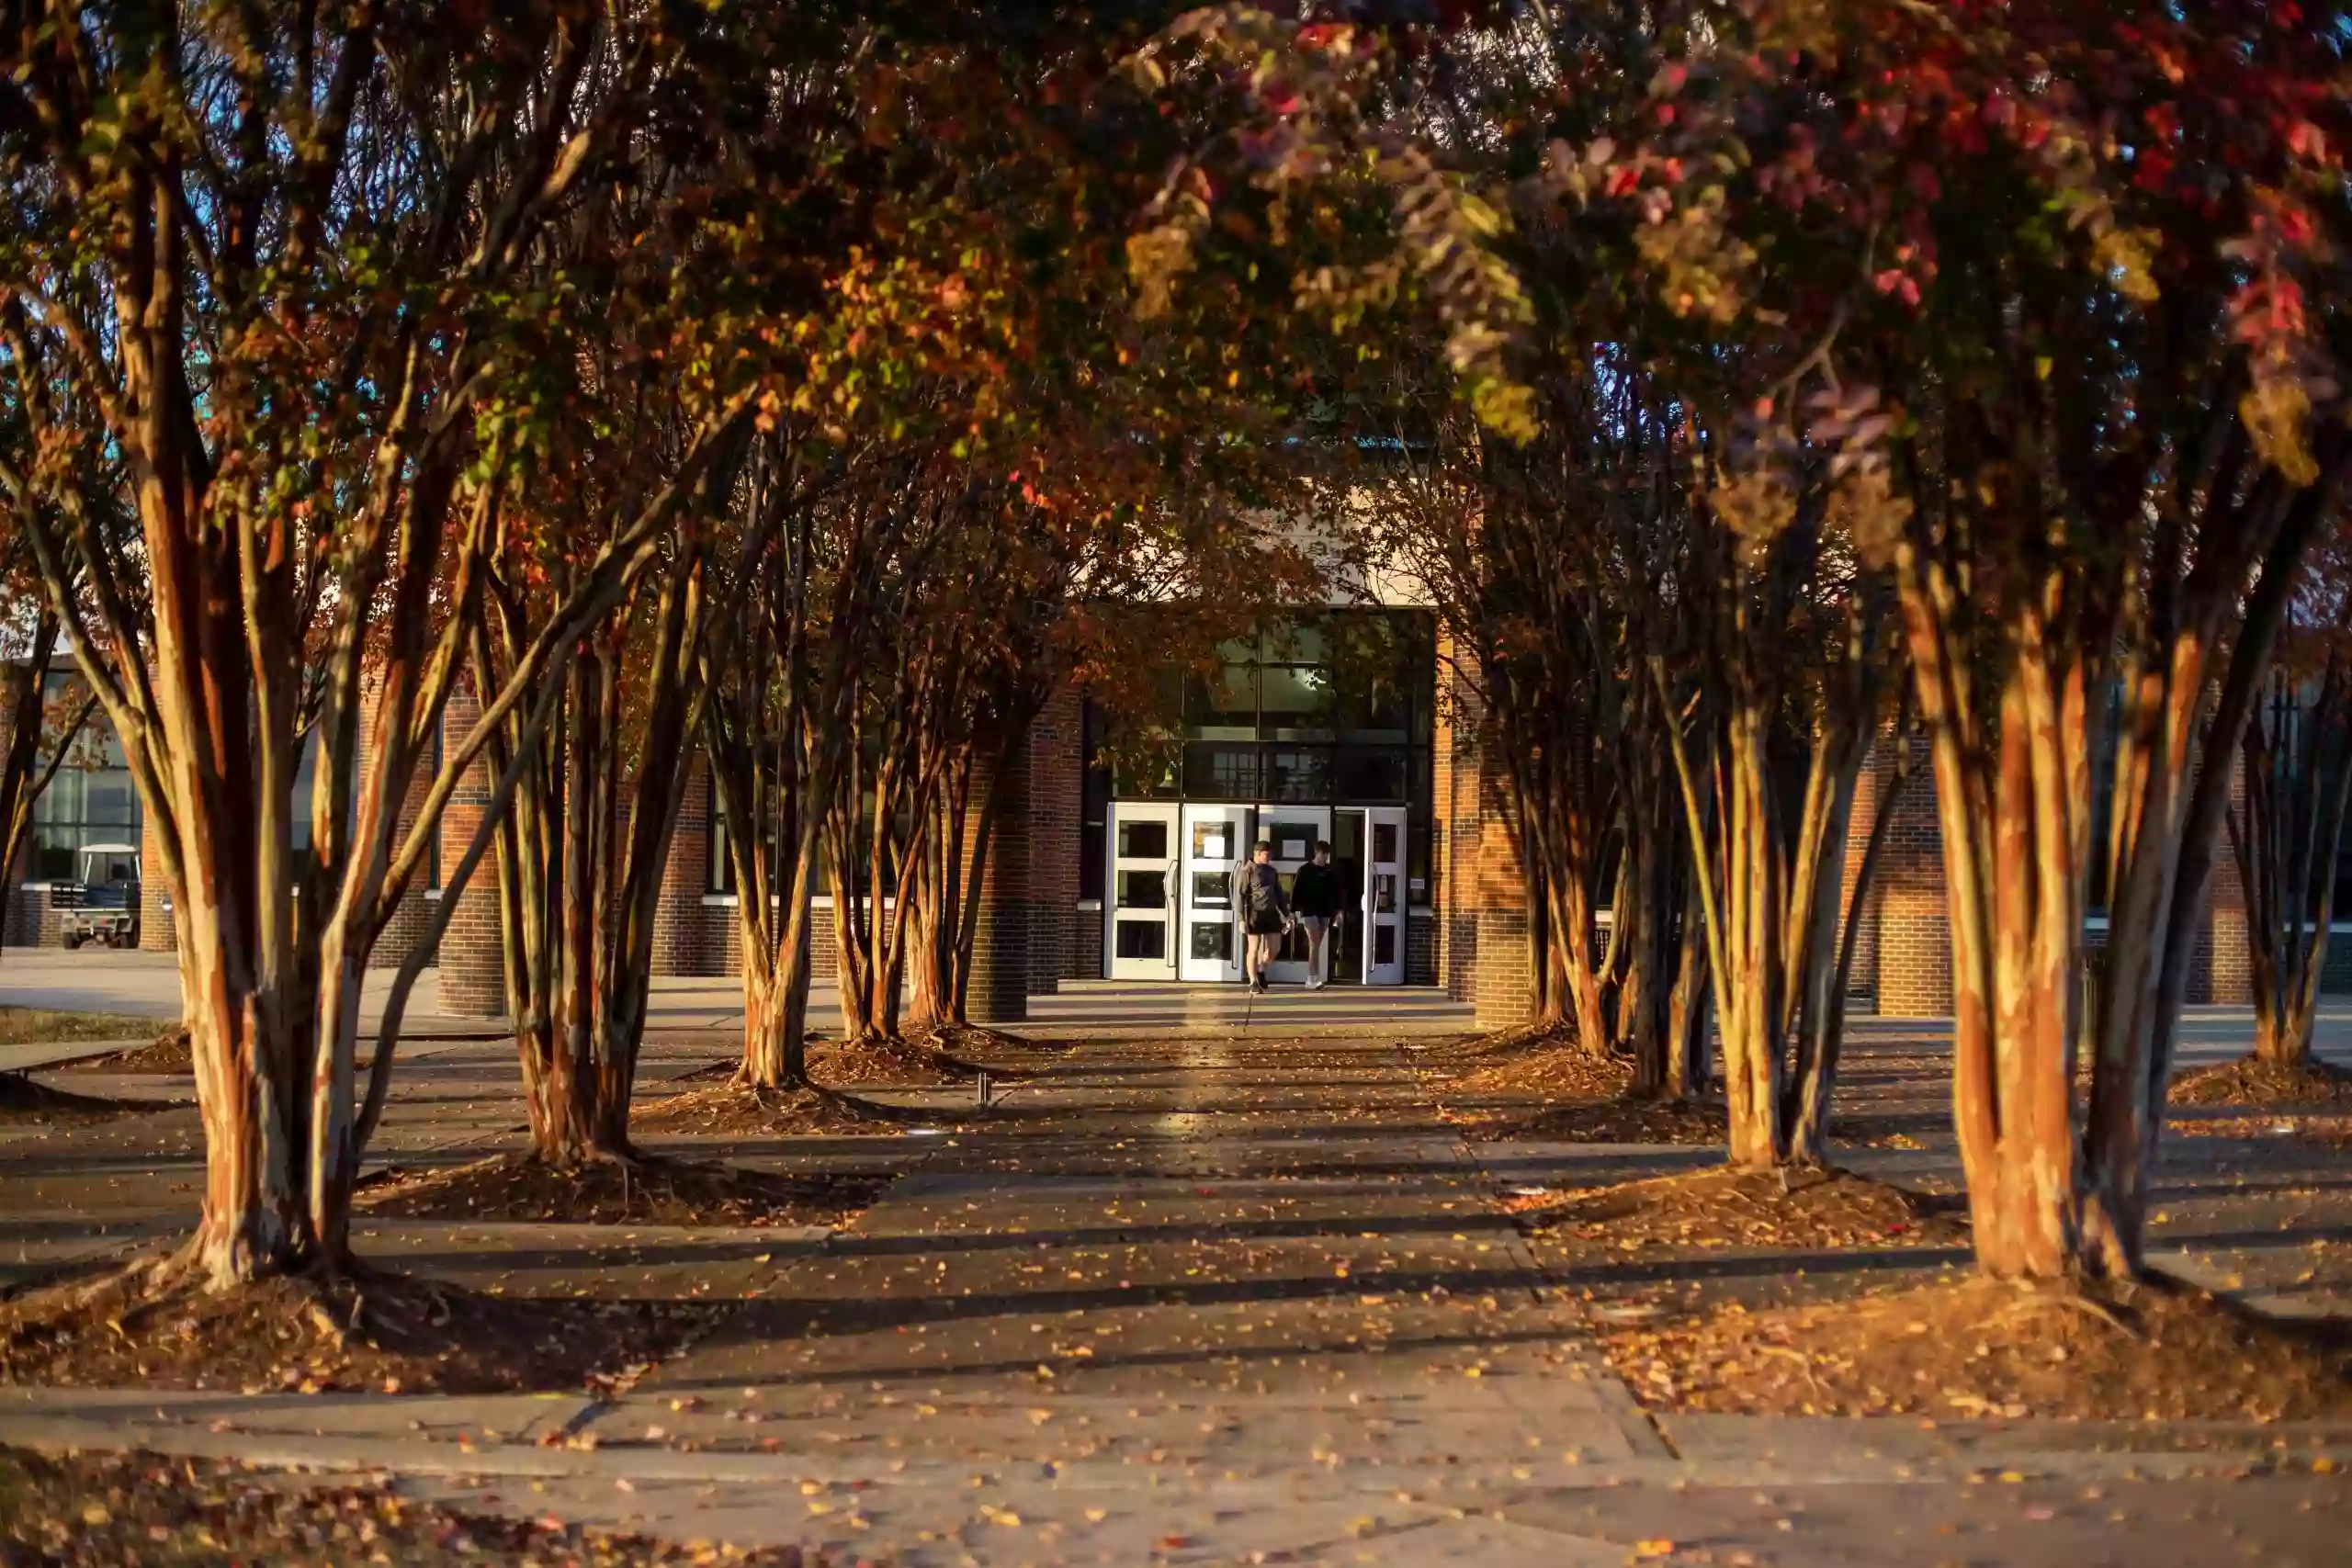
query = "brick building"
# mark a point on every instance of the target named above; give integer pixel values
(1351, 728)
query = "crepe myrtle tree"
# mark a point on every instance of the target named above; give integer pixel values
(2088, 369)
(990, 439)
(279, 253)
(2285, 822)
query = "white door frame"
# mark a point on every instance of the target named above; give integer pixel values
(1139, 870)
(1214, 842)
(1292, 850)
(1384, 906)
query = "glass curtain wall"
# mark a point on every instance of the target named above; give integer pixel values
(1333, 711)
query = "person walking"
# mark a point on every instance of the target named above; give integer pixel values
(1314, 899)
(1264, 914)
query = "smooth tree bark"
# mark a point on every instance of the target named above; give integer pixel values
(1787, 682)
(816, 541)
(2091, 453)
(246, 241)
(2054, 1196)
(1498, 540)
(582, 854)
(2286, 837)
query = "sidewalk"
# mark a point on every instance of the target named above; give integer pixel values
(146, 985)
(1239, 1302)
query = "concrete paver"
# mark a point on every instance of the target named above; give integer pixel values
(1246, 1300)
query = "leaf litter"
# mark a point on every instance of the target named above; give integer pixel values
(731, 1107)
(1769, 1210)
(610, 1192)
(1974, 1346)
(358, 1329)
(170, 1052)
(143, 1510)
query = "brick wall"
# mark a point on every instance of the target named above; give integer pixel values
(1000, 939)
(411, 919)
(1420, 947)
(472, 957)
(1453, 768)
(1862, 983)
(1914, 934)
(1086, 949)
(30, 921)
(1904, 947)
(1481, 947)
(157, 931)
(691, 937)
(1054, 798)
(2221, 968)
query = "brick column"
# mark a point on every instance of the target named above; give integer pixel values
(686, 940)
(1454, 824)
(1001, 945)
(1862, 983)
(1484, 952)
(157, 930)
(1053, 800)
(472, 957)
(1914, 926)
(2221, 968)
(410, 920)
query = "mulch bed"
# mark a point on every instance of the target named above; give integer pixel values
(1582, 1098)
(25, 1099)
(2252, 1081)
(141, 1510)
(737, 1110)
(170, 1053)
(1810, 1211)
(2311, 1101)
(1977, 1347)
(924, 1059)
(882, 1063)
(360, 1330)
(1552, 1071)
(614, 1192)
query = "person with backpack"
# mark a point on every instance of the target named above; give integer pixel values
(1263, 912)
(1314, 899)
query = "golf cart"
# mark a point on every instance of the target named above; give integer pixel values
(103, 907)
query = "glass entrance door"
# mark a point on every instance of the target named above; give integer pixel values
(1213, 843)
(1294, 830)
(1384, 896)
(1140, 911)
(1348, 841)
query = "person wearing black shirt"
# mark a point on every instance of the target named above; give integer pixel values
(1264, 913)
(1314, 899)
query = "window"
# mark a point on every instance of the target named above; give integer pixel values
(1298, 773)
(1143, 841)
(84, 806)
(1143, 889)
(719, 863)
(1214, 770)
(1334, 709)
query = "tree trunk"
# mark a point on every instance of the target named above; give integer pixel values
(1825, 1028)
(2286, 840)
(1689, 1028)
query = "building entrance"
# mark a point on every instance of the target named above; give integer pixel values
(1170, 912)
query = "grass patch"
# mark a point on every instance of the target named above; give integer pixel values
(44, 1026)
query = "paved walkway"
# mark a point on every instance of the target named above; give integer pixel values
(1223, 1301)
(146, 985)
